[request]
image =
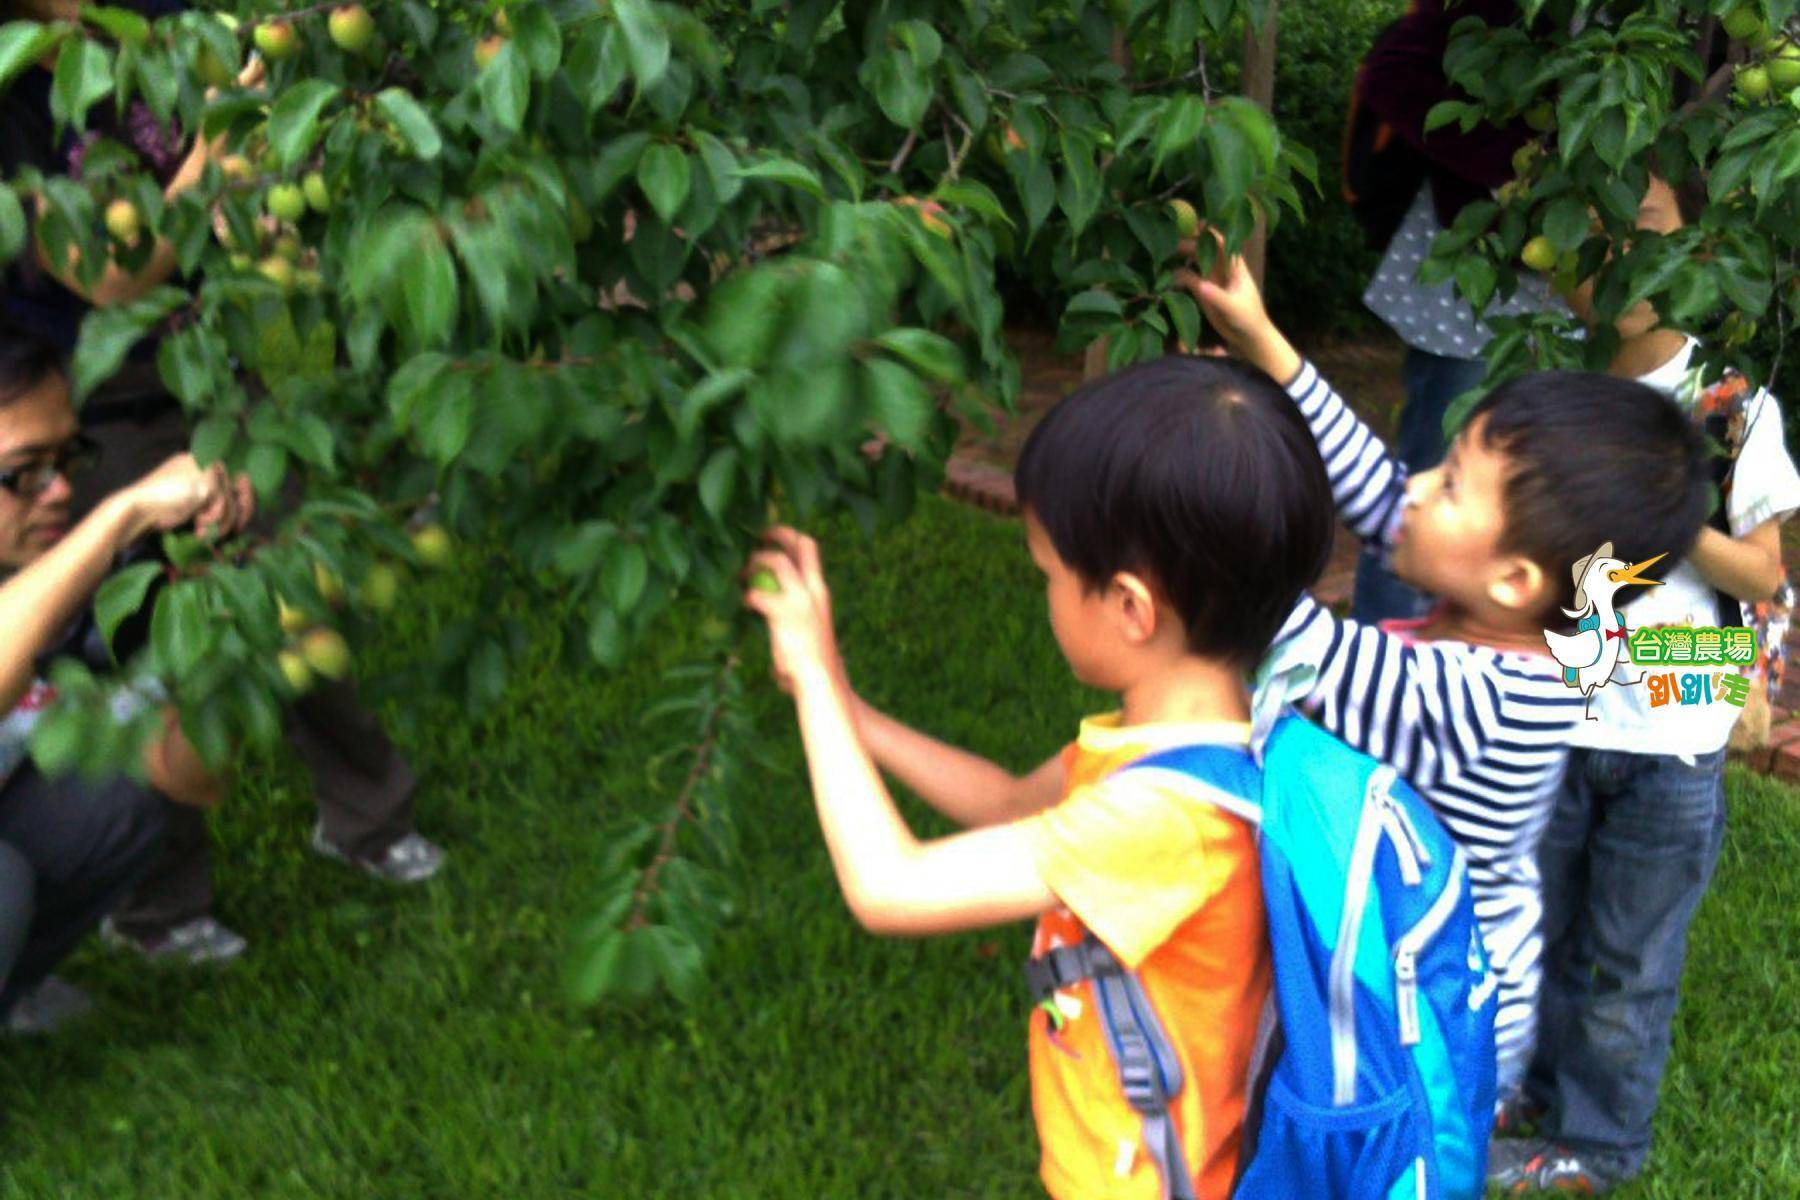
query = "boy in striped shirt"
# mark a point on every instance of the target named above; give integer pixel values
(1465, 702)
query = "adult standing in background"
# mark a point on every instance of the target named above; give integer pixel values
(1407, 186)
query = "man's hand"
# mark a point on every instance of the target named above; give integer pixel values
(181, 490)
(1233, 306)
(799, 613)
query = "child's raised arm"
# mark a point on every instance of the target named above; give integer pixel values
(1368, 485)
(893, 882)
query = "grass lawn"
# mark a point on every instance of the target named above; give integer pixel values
(413, 1043)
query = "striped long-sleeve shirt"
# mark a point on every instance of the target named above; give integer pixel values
(1481, 733)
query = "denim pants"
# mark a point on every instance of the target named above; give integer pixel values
(1432, 382)
(1628, 854)
(69, 850)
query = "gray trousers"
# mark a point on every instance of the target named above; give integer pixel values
(69, 850)
(361, 783)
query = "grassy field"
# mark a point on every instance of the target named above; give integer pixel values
(413, 1043)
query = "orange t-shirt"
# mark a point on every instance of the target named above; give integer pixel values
(1170, 885)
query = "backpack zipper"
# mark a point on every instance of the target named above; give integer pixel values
(1343, 959)
(1407, 948)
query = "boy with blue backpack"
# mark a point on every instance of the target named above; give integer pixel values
(1466, 703)
(1203, 871)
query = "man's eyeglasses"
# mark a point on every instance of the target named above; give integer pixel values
(72, 459)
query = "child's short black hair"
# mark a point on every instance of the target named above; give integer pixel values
(25, 362)
(1591, 459)
(1197, 473)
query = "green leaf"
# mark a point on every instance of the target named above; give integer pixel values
(122, 595)
(266, 465)
(83, 76)
(12, 225)
(618, 159)
(505, 87)
(412, 382)
(1475, 279)
(579, 553)
(121, 24)
(900, 402)
(1186, 316)
(1094, 302)
(179, 631)
(294, 121)
(596, 65)
(108, 334)
(535, 32)
(718, 481)
(646, 40)
(785, 170)
(447, 419)
(930, 354)
(665, 175)
(429, 286)
(413, 122)
(1566, 223)
(22, 43)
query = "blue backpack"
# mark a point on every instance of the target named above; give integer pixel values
(1374, 1079)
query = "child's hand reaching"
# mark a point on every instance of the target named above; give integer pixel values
(801, 637)
(1233, 306)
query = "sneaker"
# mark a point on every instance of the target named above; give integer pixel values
(191, 943)
(48, 1007)
(1518, 1115)
(412, 859)
(1520, 1168)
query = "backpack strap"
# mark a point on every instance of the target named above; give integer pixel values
(1150, 1072)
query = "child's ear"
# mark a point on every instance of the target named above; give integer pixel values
(1517, 584)
(1135, 606)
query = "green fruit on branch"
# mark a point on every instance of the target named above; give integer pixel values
(351, 28)
(1187, 221)
(326, 652)
(1752, 83)
(1541, 116)
(317, 193)
(277, 270)
(1784, 66)
(1744, 23)
(293, 620)
(432, 545)
(122, 221)
(331, 588)
(1524, 158)
(295, 671)
(381, 587)
(236, 167)
(288, 246)
(286, 202)
(276, 39)
(503, 23)
(212, 70)
(1539, 254)
(763, 580)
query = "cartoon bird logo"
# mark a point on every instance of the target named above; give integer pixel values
(1590, 656)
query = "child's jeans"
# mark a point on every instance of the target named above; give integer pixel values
(1628, 853)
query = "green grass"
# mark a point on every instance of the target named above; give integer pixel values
(413, 1043)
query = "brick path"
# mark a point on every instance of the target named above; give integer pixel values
(980, 472)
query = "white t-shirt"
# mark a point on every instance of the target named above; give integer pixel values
(1764, 485)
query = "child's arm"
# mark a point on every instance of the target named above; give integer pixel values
(892, 882)
(1747, 567)
(1368, 484)
(969, 789)
(1765, 489)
